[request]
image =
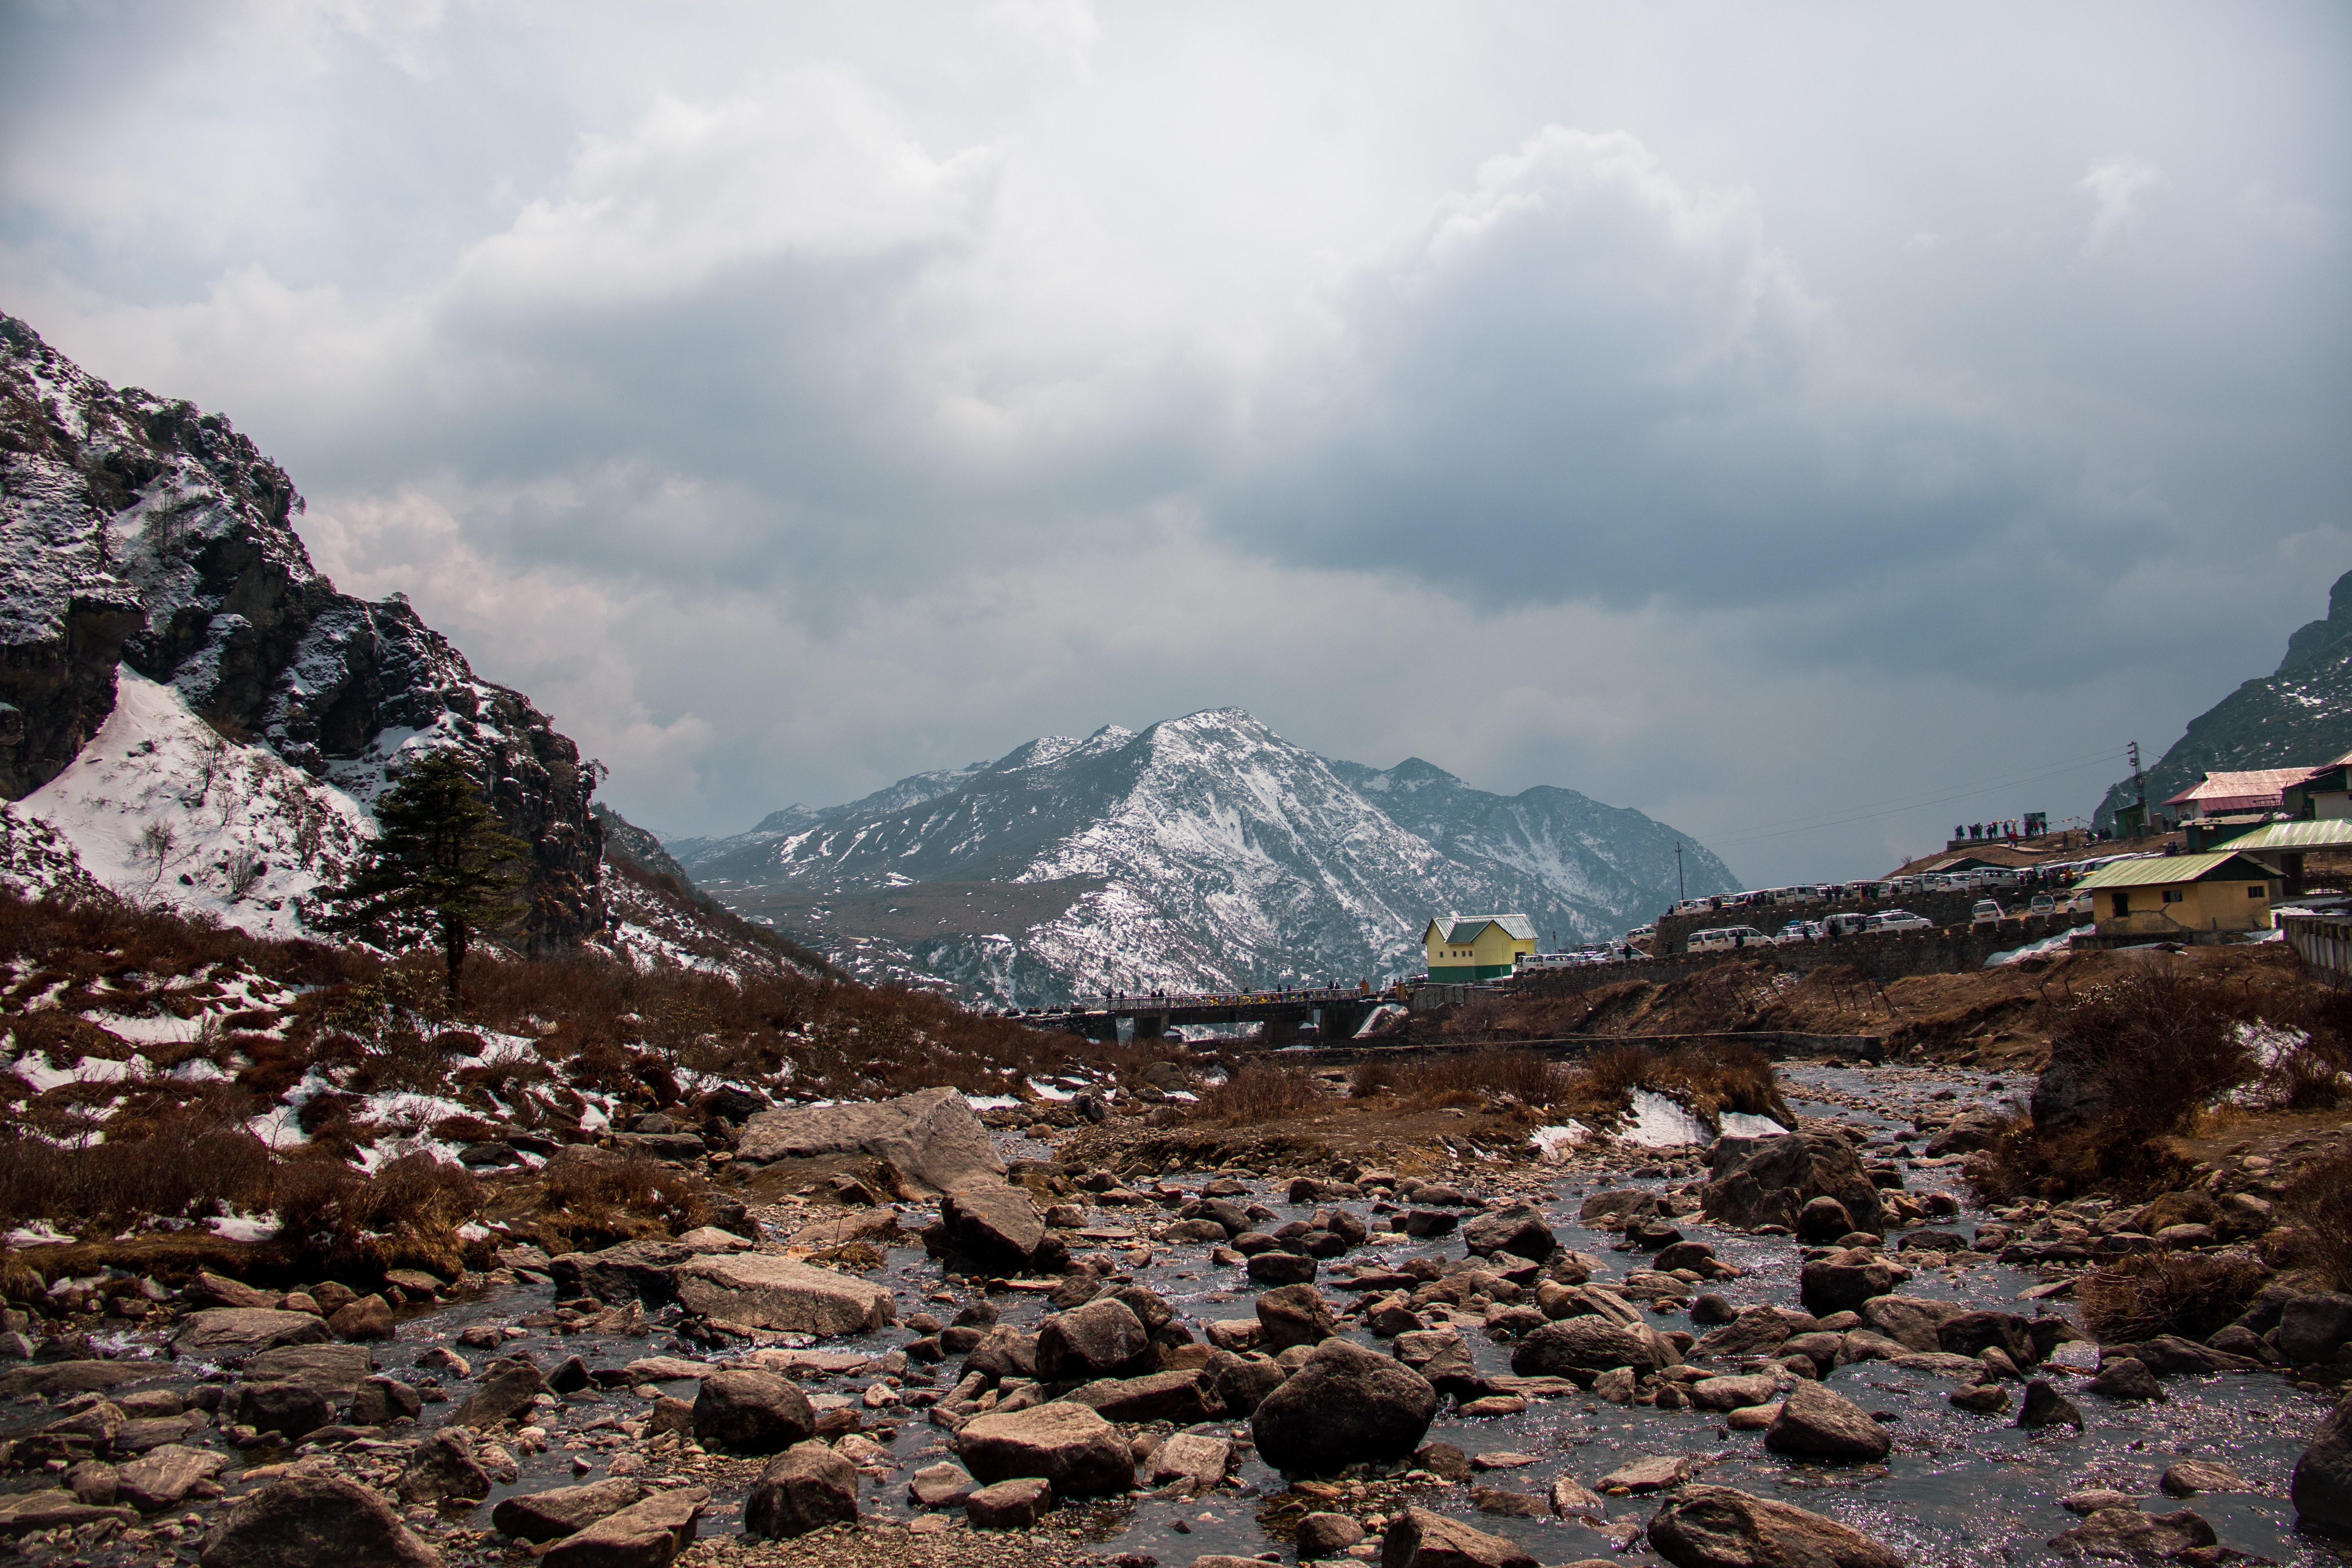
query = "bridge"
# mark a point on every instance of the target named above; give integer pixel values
(1337, 1012)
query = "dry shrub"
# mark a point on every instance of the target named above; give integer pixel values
(1710, 1078)
(198, 1160)
(1260, 1093)
(2185, 1293)
(1466, 1078)
(599, 1194)
(1618, 1072)
(1373, 1075)
(2319, 1203)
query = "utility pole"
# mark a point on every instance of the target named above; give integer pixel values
(2139, 788)
(1679, 894)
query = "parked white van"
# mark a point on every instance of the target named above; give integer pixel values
(1847, 923)
(1723, 938)
(1901, 920)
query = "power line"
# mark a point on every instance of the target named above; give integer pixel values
(1900, 804)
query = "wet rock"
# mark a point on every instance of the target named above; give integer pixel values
(1066, 1444)
(1966, 1133)
(1843, 1283)
(560, 1512)
(1915, 1323)
(368, 1318)
(1419, 1538)
(1003, 1352)
(751, 1413)
(2189, 1477)
(289, 1409)
(2169, 1355)
(2127, 1535)
(1016, 1504)
(631, 1271)
(504, 1393)
(764, 1292)
(1613, 1211)
(1820, 1423)
(2322, 1487)
(1718, 1527)
(303, 1521)
(1241, 1384)
(335, 1371)
(2091, 1499)
(1294, 1315)
(232, 1333)
(1734, 1392)
(939, 1486)
(1345, 1405)
(1571, 1499)
(1973, 1334)
(2045, 1406)
(1984, 1399)
(1769, 1181)
(1651, 1473)
(1327, 1535)
(1103, 1338)
(647, 1534)
(805, 1488)
(1756, 1330)
(1590, 1344)
(1183, 1398)
(1281, 1268)
(93, 1481)
(380, 1401)
(162, 1477)
(1194, 1457)
(1709, 1308)
(993, 1223)
(932, 1138)
(1823, 1220)
(55, 1508)
(2233, 1339)
(1519, 1230)
(1696, 1256)
(570, 1376)
(2126, 1377)
(2311, 1329)
(1505, 1503)
(444, 1466)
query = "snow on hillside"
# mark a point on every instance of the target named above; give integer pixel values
(160, 806)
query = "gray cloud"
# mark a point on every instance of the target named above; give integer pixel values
(1803, 411)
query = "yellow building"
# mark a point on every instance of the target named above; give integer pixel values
(2168, 895)
(1476, 947)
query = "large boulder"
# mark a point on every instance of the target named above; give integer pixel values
(1185, 1396)
(233, 1334)
(1818, 1424)
(1718, 1527)
(630, 1271)
(1519, 1230)
(1915, 1323)
(303, 1521)
(2127, 1535)
(2313, 1327)
(2322, 1488)
(289, 1409)
(1424, 1540)
(1768, 1181)
(1842, 1281)
(761, 1290)
(993, 1223)
(1973, 1334)
(162, 1476)
(1068, 1444)
(647, 1534)
(506, 1392)
(1591, 1343)
(751, 1411)
(931, 1138)
(443, 1467)
(560, 1512)
(1344, 1406)
(335, 1371)
(805, 1488)
(1756, 1330)
(1104, 1337)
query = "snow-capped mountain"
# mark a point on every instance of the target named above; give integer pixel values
(189, 705)
(1203, 852)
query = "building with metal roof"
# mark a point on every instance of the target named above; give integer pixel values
(1464, 948)
(2183, 896)
(2219, 794)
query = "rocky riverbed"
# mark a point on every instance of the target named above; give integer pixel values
(1812, 1345)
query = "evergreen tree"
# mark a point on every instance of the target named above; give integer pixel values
(437, 861)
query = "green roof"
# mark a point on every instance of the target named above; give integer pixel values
(2164, 871)
(2334, 833)
(1464, 929)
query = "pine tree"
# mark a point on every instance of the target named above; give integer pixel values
(436, 860)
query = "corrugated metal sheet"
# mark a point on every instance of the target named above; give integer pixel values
(2163, 870)
(1465, 927)
(2252, 785)
(2333, 833)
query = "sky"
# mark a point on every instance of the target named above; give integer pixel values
(1811, 425)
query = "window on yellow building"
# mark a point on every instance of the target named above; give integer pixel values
(2174, 895)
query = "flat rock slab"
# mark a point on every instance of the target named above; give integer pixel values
(1654, 1473)
(564, 1510)
(71, 1377)
(233, 1334)
(335, 1371)
(932, 1138)
(764, 1292)
(160, 1479)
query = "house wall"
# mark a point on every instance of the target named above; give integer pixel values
(2203, 906)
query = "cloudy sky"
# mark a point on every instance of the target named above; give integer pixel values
(1780, 419)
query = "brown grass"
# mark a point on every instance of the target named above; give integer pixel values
(1257, 1094)
(2185, 1293)
(1467, 1078)
(175, 1164)
(2319, 1204)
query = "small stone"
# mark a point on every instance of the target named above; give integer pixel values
(2126, 1377)
(2191, 1477)
(1327, 1535)
(1016, 1504)
(2045, 1406)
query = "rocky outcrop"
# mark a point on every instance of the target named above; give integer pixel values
(931, 1139)
(140, 529)
(1769, 1181)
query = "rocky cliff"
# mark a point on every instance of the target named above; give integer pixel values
(140, 531)
(2299, 715)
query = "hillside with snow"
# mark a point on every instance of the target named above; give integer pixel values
(1205, 851)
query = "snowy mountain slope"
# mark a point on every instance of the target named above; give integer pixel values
(159, 805)
(912, 790)
(1203, 851)
(140, 531)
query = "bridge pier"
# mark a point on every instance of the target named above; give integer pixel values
(1339, 1021)
(1150, 1027)
(1277, 1032)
